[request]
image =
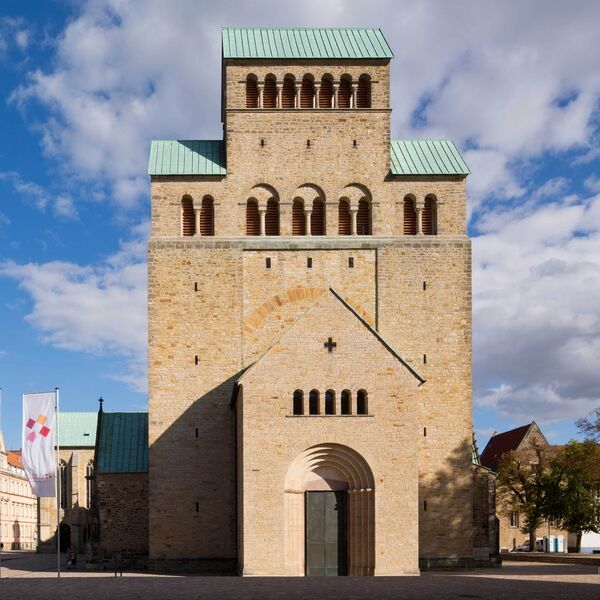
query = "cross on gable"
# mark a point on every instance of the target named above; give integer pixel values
(330, 345)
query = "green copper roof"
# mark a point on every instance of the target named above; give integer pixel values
(426, 157)
(304, 43)
(207, 157)
(77, 429)
(123, 444)
(187, 157)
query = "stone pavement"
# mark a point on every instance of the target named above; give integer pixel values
(31, 576)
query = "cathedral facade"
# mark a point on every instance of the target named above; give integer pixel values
(309, 306)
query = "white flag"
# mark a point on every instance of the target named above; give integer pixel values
(39, 422)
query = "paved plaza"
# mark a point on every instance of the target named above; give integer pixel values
(34, 576)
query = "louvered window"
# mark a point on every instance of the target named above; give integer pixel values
(428, 217)
(363, 219)
(345, 92)
(317, 218)
(298, 218)
(288, 92)
(251, 92)
(307, 92)
(207, 216)
(272, 218)
(252, 218)
(344, 218)
(270, 92)
(326, 92)
(188, 222)
(410, 217)
(363, 92)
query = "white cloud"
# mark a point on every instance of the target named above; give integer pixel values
(535, 306)
(4, 220)
(13, 33)
(64, 207)
(98, 309)
(3, 353)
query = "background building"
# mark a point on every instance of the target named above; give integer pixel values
(18, 505)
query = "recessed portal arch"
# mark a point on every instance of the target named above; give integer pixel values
(331, 467)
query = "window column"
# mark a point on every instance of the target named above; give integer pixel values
(354, 90)
(307, 217)
(419, 206)
(262, 213)
(197, 220)
(297, 96)
(353, 214)
(279, 95)
(261, 87)
(336, 88)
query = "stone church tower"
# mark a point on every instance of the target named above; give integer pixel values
(309, 312)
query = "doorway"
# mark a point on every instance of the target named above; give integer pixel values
(326, 541)
(65, 537)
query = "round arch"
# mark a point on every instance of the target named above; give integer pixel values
(328, 467)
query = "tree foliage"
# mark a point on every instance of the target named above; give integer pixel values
(522, 487)
(573, 488)
(590, 426)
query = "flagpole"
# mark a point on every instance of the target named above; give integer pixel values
(58, 483)
(1, 546)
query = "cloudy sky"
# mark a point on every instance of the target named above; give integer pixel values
(85, 86)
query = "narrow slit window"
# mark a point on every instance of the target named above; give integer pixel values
(330, 402)
(346, 402)
(309, 262)
(362, 407)
(298, 402)
(351, 262)
(313, 402)
(268, 262)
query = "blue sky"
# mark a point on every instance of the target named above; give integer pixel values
(85, 86)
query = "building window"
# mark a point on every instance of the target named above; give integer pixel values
(307, 92)
(272, 218)
(410, 216)
(251, 91)
(346, 401)
(298, 402)
(330, 402)
(514, 519)
(429, 216)
(64, 485)
(345, 92)
(326, 92)
(252, 218)
(313, 402)
(188, 221)
(89, 484)
(344, 218)
(363, 92)
(298, 218)
(362, 407)
(270, 92)
(207, 216)
(317, 218)
(363, 218)
(288, 92)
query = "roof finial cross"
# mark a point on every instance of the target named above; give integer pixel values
(330, 345)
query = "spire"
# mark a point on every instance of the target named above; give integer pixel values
(2, 444)
(100, 400)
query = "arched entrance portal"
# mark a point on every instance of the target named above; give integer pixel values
(329, 513)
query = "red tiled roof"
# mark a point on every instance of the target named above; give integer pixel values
(14, 458)
(501, 443)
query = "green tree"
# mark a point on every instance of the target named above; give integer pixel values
(573, 488)
(590, 426)
(521, 487)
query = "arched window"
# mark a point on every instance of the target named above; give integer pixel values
(207, 216)
(330, 402)
(345, 92)
(410, 216)
(89, 484)
(363, 218)
(326, 92)
(313, 402)
(288, 92)
(428, 217)
(362, 404)
(363, 92)
(346, 401)
(317, 218)
(188, 221)
(307, 92)
(344, 218)
(270, 92)
(298, 402)
(298, 218)
(64, 485)
(251, 91)
(272, 218)
(252, 218)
